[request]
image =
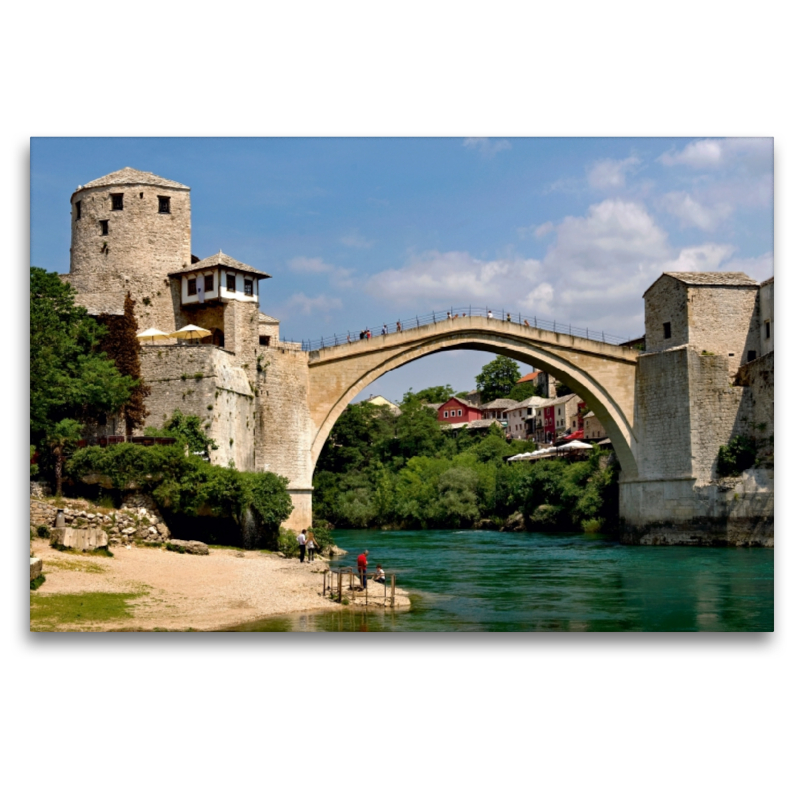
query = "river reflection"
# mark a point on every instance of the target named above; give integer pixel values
(490, 581)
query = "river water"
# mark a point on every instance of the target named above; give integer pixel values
(490, 581)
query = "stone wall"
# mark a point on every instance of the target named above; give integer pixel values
(665, 301)
(767, 315)
(142, 247)
(204, 381)
(283, 430)
(759, 379)
(724, 320)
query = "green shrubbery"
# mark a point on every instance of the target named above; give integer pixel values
(736, 457)
(187, 484)
(377, 470)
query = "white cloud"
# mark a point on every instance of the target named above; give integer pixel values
(356, 240)
(488, 148)
(538, 231)
(693, 213)
(759, 268)
(701, 258)
(716, 153)
(337, 275)
(300, 303)
(610, 174)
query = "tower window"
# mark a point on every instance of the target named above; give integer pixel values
(116, 202)
(248, 287)
(104, 227)
(264, 340)
(767, 325)
(231, 283)
(163, 205)
(751, 355)
(667, 330)
(208, 283)
(78, 214)
(192, 286)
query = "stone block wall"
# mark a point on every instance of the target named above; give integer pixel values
(142, 247)
(759, 379)
(204, 381)
(724, 321)
(665, 301)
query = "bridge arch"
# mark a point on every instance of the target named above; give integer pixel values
(602, 374)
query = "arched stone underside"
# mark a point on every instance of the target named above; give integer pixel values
(603, 375)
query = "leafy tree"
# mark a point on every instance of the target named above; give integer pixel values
(418, 430)
(433, 394)
(122, 346)
(497, 378)
(61, 437)
(562, 390)
(70, 378)
(187, 429)
(522, 391)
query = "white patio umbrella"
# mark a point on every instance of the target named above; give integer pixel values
(191, 332)
(575, 445)
(153, 334)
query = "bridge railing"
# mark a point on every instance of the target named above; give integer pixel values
(417, 321)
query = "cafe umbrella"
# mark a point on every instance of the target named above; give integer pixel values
(154, 335)
(191, 333)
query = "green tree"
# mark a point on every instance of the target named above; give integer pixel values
(188, 430)
(60, 438)
(122, 347)
(522, 391)
(497, 378)
(433, 394)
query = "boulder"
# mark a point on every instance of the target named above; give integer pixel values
(79, 538)
(36, 568)
(188, 546)
(516, 523)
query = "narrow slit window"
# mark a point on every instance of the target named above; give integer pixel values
(163, 205)
(667, 330)
(116, 202)
(208, 283)
(104, 227)
(78, 213)
(767, 324)
(248, 287)
(231, 283)
(191, 288)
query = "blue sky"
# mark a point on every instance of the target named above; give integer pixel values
(360, 231)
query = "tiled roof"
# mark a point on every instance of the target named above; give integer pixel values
(557, 401)
(128, 176)
(768, 280)
(262, 317)
(531, 376)
(463, 403)
(529, 402)
(220, 260)
(500, 402)
(713, 278)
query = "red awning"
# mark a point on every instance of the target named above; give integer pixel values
(577, 435)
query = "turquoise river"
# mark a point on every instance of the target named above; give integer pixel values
(491, 581)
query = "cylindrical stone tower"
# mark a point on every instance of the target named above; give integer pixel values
(130, 229)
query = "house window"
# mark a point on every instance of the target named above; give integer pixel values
(248, 287)
(231, 283)
(264, 340)
(208, 283)
(104, 227)
(446, 414)
(751, 355)
(459, 412)
(667, 330)
(192, 287)
(767, 325)
(163, 205)
(78, 216)
(116, 202)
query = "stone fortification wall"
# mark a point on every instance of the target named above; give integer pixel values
(204, 381)
(662, 415)
(767, 315)
(665, 301)
(724, 320)
(759, 379)
(141, 248)
(284, 430)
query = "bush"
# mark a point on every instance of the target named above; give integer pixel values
(592, 525)
(287, 543)
(43, 532)
(737, 456)
(546, 518)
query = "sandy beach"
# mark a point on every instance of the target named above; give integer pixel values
(181, 591)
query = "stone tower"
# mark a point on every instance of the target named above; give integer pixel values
(130, 230)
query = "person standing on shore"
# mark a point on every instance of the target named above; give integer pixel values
(301, 540)
(311, 545)
(362, 562)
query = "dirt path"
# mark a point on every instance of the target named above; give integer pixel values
(181, 591)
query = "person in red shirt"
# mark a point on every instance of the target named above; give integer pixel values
(361, 562)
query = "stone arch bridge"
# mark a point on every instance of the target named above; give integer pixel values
(602, 374)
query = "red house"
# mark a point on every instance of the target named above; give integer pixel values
(455, 410)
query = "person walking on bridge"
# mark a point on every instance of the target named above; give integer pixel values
(399, 326)
(301, 540)
(385, 329)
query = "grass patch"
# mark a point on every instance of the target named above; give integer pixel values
(51, 612)
(37, 582)
(70, 565)
(101, 552)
